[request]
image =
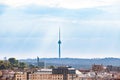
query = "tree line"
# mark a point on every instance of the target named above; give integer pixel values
(11, 63)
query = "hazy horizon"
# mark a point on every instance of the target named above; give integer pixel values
(89, 28)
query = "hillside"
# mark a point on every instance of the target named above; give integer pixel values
(76, 62)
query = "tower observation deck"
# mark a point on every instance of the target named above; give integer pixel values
(59, 43)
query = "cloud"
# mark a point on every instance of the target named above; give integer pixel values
(2, 8)
(18, 45)
(31, 27)
(70, 4)
(86, 13)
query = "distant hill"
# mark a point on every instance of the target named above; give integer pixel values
(76, 62)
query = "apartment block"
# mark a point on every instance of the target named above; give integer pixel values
(20, 76)
(37, 76)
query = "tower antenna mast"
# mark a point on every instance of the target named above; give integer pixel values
(59, 43)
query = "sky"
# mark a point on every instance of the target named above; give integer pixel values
(89, 28)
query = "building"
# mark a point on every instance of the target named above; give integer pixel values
(7, 75)
(37, 76)
(20, 76)
(0, 73)
(64, 71)
(44, 71)
(60, 73)
(45, 74)
(97, 68)
(40, 64)
(113, 68)
(72, 77)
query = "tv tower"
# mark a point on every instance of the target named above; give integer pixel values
(59, 43)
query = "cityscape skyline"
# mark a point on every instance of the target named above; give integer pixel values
(89, 28)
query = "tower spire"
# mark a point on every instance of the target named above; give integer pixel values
(59, 43)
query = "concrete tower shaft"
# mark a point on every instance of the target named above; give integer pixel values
(59, 43)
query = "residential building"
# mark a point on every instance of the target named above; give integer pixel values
(64, 71)
(20, 76)
(97, 68)
(37, 76)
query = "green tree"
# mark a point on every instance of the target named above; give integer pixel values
(22, 65)
(51, 67)
(4, 64)
(32, 66)
(2, 67)
(1, 61)
(13, 62)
